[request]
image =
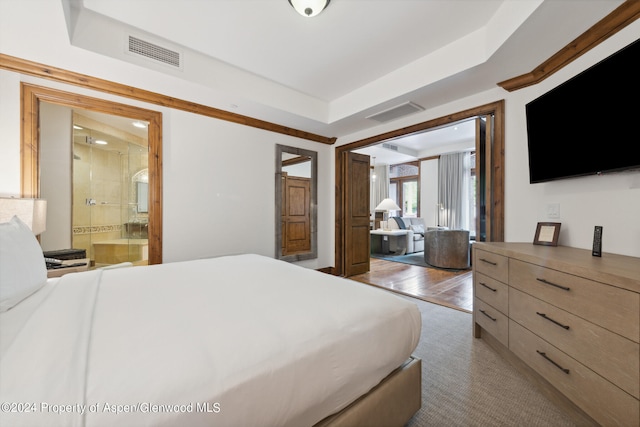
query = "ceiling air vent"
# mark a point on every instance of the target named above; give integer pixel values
(389, 146)
(153, 51)
(396, 112)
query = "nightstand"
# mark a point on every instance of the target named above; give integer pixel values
(69, 266)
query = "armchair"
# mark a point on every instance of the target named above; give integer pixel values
(447, 248)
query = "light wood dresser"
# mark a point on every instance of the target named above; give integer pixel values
(571, 318)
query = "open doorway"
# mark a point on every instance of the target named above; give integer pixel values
(489, 149)
(94, 175)
(407, 171)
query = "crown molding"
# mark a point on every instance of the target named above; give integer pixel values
(622, 16)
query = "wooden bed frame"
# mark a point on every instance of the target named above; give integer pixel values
(391, 403)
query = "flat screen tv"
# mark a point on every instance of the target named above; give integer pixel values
(589, 124)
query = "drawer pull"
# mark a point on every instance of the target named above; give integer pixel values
(488, 287)
(546, 282)
(551, 320)
(485, 313)
(565, 370)
(488, 262)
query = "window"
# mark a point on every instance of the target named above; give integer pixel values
(404, 187)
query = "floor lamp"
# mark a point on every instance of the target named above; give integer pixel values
(439, 207)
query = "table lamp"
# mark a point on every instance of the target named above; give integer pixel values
(385, 206)
(33, 212)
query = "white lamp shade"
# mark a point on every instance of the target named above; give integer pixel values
(32, 212)
(387, 205)
(309, 8)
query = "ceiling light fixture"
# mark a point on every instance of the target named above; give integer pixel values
(309, 8)
(139, 124)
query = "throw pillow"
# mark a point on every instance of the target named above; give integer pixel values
(417, 228)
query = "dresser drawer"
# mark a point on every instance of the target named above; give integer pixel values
(491, 320)
(492, 265)
(612, 308)
(492, 292)
(603, 401)
(608, 354)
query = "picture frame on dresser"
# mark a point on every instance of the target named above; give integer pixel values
(547, 233)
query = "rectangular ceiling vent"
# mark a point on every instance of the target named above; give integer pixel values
(153, 51)
(389, 146)
(396, 112)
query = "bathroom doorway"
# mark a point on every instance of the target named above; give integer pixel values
(94, 176)
(110, 215)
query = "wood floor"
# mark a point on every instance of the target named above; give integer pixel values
(449, 288)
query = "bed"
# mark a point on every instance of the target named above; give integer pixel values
(241, 340)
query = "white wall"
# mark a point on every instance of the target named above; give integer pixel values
(612, 201)
(218, 180)
(429, 191)
(56, 164)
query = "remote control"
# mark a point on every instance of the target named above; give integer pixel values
(597, 241)
(56, 266)
(52, 261)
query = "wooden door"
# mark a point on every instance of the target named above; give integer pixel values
(356, 214)
(296, 215)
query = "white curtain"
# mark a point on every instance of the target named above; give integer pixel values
(379, 185)
(454, 172)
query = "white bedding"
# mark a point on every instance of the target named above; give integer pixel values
(233, 341)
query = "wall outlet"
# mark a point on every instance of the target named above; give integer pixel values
(553, 210)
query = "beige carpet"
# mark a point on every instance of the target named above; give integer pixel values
(466, 383)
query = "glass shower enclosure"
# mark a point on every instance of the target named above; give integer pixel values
(110, 191)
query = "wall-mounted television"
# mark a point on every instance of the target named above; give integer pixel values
(589, 124)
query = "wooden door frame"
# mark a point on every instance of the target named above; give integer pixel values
(32, 95)
(496, 220)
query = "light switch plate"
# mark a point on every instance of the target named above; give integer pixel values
(553, 210)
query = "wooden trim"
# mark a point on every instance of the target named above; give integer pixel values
(24, 66)
(29, 144)
(423, 159)
(295, 160)
(420, 127)
(31, 97)
(497, 183)
(488, 188)
(625, 14)
(496, 109)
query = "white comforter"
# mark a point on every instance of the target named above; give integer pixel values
(233, 341)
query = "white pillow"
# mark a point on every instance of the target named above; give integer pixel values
(22, 267)
(418, 228)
